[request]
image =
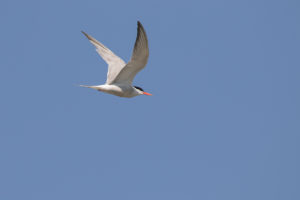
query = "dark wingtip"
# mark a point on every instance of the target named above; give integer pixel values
(139, 26)
(84, 33)
(139, 23)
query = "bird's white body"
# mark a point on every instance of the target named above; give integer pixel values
(117, 89)
(120, 75)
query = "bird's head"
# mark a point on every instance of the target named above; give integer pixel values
(141, 91)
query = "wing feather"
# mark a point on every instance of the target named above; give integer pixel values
(115, 63)
(138, 59)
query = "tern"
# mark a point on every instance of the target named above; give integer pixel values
(120, 75)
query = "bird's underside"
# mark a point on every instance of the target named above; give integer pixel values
(120, 75)
(116, 89)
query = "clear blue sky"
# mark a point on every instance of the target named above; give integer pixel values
(223, 121)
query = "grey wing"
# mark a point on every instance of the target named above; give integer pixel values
(115, 63)
(138, 59)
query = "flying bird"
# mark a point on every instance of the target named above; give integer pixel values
(120, 75)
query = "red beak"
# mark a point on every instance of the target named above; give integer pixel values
(146, 93)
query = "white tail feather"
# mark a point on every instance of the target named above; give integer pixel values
(87, 86)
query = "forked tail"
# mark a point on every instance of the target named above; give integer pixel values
(88, 86)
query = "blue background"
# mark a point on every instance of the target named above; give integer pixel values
(223, 121)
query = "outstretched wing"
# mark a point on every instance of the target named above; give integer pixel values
(115, 63)
(138, 59)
